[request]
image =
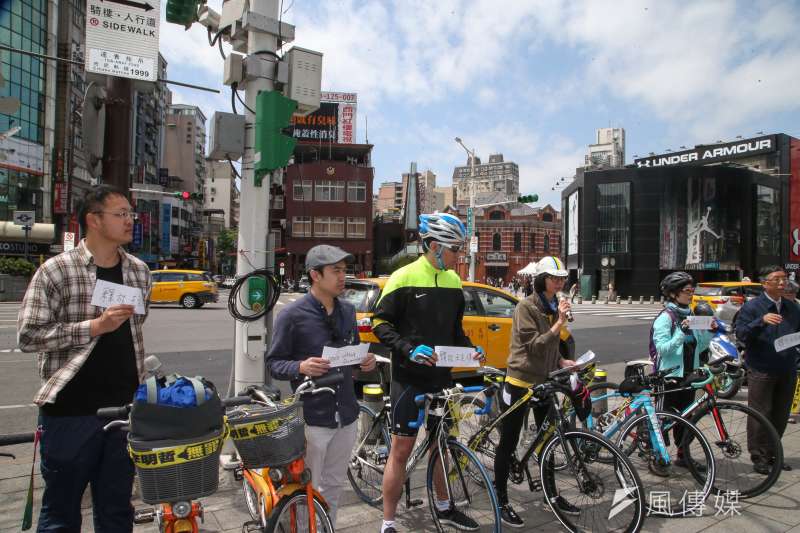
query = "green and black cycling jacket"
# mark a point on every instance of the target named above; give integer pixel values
(420, 305)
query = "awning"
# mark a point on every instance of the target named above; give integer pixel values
(41, 233)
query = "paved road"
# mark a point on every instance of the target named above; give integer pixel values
(200, 342)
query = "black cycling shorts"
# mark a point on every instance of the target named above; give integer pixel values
(404, 410)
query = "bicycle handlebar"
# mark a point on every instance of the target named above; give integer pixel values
(114, 412)
(422, 399)
(16, 438)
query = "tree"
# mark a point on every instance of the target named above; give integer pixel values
(227, 242)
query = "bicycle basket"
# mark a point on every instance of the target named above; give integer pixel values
(268, 436)
(174, 470)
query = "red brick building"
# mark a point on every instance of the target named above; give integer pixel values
(509, 237)
(326, 199)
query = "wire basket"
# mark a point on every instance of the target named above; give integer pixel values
(175, 470)
(268, 436)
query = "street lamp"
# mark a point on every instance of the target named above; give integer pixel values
(470, 211)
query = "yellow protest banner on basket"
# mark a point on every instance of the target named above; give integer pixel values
(260, 428)
(163, 457)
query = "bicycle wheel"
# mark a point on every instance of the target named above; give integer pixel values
(678, 475)
(606, 411)
(608, 494)
(365, 470)
(472, 498)
(291, 515)
(734, 467)
(254, 504)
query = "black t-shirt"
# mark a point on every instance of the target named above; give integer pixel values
(108, 377)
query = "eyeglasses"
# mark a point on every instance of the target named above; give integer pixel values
(777, 281)
(688, 290)
(455, 248)
(125, 215)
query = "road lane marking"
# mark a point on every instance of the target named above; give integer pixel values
(21, 406)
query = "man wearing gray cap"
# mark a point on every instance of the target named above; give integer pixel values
(302, 329)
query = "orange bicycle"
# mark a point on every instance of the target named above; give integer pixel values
(270, 438)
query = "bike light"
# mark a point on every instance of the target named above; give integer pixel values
(181, 509)
(276, 475)
(183, 525)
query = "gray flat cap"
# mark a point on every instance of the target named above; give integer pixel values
(324, 254)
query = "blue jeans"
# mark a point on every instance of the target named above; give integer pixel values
(76, 452)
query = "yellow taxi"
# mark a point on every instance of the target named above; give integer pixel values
(725, 292)
(487, 318)
(190, 288)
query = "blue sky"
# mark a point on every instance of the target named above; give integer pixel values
(533, 79)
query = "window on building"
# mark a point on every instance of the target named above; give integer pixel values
(277, 201)
(547, 217)
(329, 226)
(546, 243)
(356, 227)
(301, 226)
(768, 217)
(276, 238)
(302, 191)
(329, 191)
(533, 242)
(496, 215)
(496, 242)
(175, 212)
(356, 191)
(176, 231)
(517, 241)
(613, 217)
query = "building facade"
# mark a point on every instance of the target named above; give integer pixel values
(496, 176)
(26, 136)
(510, 236)
(630, 227)
(443, 197)
(390, 198)
(608, 150)
(221, 193)
(326, 199)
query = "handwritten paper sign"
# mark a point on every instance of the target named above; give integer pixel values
(455, 356)
(700, 322)
(346, 355)
(107, 294)
(787, 341)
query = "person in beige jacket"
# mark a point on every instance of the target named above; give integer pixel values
(535, 333)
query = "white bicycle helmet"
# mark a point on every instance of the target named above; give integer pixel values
(442, 227)
(551, 266)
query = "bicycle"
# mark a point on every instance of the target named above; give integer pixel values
(182, 514)
(270, 440)
(724, 422)
(570, 454)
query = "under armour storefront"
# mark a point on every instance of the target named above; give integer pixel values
(631, 226)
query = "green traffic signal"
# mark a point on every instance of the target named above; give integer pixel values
(273, 147)
(183, 12)
(528, 199)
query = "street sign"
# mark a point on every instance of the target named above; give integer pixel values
(24, 218)
(282, 271)
(122, 38)
(469, 221)
(137, 235)
(473, 245)
(69, 241)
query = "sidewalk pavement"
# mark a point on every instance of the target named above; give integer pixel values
(225, 511)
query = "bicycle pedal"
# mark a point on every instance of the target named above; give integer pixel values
(144, 516)
(410, 504)
(535, 485)
(252, 526)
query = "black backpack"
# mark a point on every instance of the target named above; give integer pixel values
(653, 352)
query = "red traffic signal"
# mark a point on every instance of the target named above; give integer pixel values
(185, 195)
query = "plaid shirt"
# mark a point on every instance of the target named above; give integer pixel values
(55, 316)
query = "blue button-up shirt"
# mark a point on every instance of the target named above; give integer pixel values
(301, 330)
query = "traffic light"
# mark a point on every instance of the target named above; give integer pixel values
(183, 12)
(273, 146)
(186, 196)
(528, 199)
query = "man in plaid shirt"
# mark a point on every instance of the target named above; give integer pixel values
(88, 358)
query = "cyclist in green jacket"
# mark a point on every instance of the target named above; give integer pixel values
(421, 306)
